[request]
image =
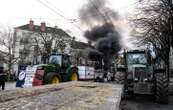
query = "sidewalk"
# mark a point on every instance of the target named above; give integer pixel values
(10, 85)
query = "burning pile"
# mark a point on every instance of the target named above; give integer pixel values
(102, 32)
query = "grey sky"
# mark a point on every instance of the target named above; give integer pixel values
(62, 13)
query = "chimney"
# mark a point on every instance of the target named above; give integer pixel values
(43, 26)
(31, 24)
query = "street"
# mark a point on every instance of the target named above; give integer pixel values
(139, 102)
(86, 55)
(144, 103)
(65, 96)
(10, 85)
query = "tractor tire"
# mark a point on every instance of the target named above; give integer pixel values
(120, 77)
(102, 80)
(74, 75)
(162, 86)
(113, 78)
(53, 78)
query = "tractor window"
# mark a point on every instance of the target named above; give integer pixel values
(56, 59)
(136, 58)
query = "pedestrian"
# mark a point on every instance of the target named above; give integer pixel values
(2, 77)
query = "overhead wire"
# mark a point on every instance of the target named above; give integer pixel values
(77, 19)
(50, 8)
(69, 20)
(105, 14)
(72, 21)
(99, 12)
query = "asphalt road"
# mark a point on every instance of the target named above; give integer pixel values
(140, 102)
(144, 102)
(65, 96)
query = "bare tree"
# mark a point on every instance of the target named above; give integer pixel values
(153, 24)
(61, 43)
(7, 41)
(47, 42)
(24, 53)
(44, 45)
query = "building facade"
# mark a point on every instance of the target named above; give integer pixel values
(33, 41)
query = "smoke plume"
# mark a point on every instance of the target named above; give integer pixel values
(100, 18)
(97, 12)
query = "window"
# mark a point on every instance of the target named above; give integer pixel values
(56, 59)
(136, 58)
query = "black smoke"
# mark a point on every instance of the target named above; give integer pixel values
(94, 54)
(97, 12)
(107, 43)
(98, 32)
(102, 31)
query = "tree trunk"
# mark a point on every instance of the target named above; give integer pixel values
(167, 63)
(8, 72)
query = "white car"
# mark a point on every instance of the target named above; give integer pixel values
(86, 72)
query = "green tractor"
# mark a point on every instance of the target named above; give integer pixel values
(143, 75)
(59, 69)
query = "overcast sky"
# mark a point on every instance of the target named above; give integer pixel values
(62, 13)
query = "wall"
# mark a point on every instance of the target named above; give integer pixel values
(30, 55)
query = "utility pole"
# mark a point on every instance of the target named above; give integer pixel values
(170, 21)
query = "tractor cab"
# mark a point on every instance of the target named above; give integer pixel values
(139, 66)
(139, 71)
(63, 60)
(136, 58)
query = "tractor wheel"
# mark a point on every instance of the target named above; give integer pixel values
(162, 86)
(113, 78)
(120, 77)
(53, 78)
(74, 75)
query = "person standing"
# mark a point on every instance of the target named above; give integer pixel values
(2, 77)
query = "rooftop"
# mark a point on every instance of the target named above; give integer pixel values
(79, 45)
(37, 28)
